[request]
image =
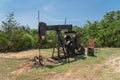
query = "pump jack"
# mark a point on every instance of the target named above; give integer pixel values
(59, 42)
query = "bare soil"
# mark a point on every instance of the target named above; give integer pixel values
(30, 62)
(25, 67)
(88, 72)
(113, 64)
(23, 54)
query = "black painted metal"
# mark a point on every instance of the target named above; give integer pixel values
(62, 52)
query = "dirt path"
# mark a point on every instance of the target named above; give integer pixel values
(113, 64)
(89, 72)
(23, 54)
(85, 73)
(28, 55)
(79, 72)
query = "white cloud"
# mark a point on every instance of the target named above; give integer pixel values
(48, 8)
(52, 19)
(51, 8)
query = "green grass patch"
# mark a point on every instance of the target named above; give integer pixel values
(9, 65)
(47, 50)
(77, 63)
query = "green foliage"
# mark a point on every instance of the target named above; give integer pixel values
(14, 37)
(27, 41)
(106, 33)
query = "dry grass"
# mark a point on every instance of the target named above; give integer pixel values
(24, 54)
(16, 66)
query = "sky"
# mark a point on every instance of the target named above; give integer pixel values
(76, 12)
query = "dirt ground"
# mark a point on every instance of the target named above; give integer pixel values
(29, 56)
(113, 64)
(88, 72)
(23, 54)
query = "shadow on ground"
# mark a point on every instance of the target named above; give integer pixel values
(66, 61)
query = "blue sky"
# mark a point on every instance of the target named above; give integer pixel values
(77, 12)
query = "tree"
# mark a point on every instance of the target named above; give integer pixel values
(7, 27)
(9, 23)
(15, 37)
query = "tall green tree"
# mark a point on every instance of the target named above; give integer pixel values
(7, 27)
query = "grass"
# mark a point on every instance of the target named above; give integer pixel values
(78, 63)
(102, 57)
(108, 76)
(8, 65)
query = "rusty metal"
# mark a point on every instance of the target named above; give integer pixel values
(90, 51)
(64, 50)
